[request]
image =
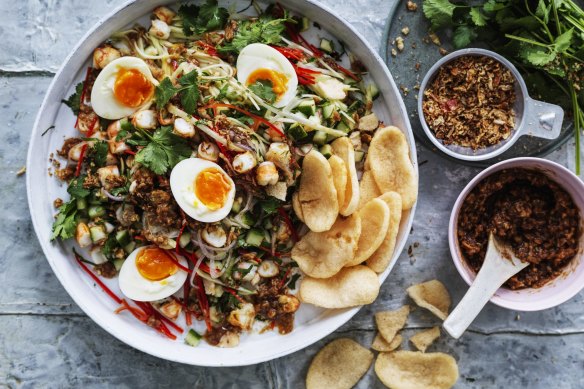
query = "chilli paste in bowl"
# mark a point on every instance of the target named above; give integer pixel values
(534, 215)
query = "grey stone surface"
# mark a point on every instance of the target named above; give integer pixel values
(47, 341)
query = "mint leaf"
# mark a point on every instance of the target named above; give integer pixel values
(477, 17)
(439, 12)
(563, 42)
(74, 101)
(189, 94)
(463, 35)
(65, 224)
(264, 89)
(164, 92)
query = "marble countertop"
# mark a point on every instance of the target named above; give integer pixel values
(47, 341)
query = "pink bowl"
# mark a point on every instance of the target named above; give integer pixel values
(559, 290)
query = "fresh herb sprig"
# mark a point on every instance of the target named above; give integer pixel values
(66, 221)
(198, 20)
(162, 149)
(74, 101)
(188, 91)
(265, 29)
(544, 38)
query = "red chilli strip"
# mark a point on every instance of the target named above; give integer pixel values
(83, 91)
(162, 328)
(186, 291)
(136, 312)
(203, 302)
(283, 282)
(348, 73)
(168, 321)
(175, 261)
(84, 149)
(288, 222)
(290, 53)
(208, 48)
(247, 113)
(234, 294)
(130, 152)
(97, 280)
(177, 249)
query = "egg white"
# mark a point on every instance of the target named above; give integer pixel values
(182, 182)
(134, 286)
(260, 56)
(103, 101)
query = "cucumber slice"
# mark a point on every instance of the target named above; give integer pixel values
(254, 237)
(296, 132)
(247, 219)
(342, 126)
(373, 91)
(307, 107)
(327, 46)
(326, 151)
(359, 155)
(97, 234)
(237, 203)
(81, 204)
(304, 24)
(193, 338)
(118, 263)
(123, 237)
(185, 238)
(319, 138)
(328, 110)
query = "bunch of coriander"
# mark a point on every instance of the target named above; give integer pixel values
(545, 39)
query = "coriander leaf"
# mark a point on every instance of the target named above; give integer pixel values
(542, 11)
(98, 153)
(121, 190)
(65, 224)
(562, 43)
(74, 101)
(263, 30)
(212, 17)
(439, 12)
(222, 92)
(188, 14)
(493, 6)
(208, 17)
(164, 151)
(110, 245)
(463, 35)
(538, 56)
(270, 205)
(76, 189)
(478, 18)
(189, 94)
(264, 89)
(164, 92)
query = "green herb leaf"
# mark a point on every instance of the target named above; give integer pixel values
(439, 12)
(538, 56)
(109, 246)
(263, 30)
(74, 101)
(98, 153)
(477, 17)
(562, 43)
(208, 17)
(493, 6)
(270, 205)
(76, 189)
(189, 94)
(164, 92)
(164, 151)
(65, 224)
(264, 89)
(463, 35)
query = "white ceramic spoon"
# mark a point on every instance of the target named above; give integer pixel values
(500, 264)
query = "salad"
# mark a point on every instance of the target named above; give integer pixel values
(192, 132)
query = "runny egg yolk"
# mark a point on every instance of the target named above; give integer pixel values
(155, 264)
(212, 188)
(279, 80)
(132, 88)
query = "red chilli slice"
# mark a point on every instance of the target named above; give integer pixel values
(247, 113)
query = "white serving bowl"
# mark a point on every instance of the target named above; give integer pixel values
(557, 291)
(312, 323)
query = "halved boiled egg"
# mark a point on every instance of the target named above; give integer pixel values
(122, 87)
(202, 189)
(260, 62)
(150, 273)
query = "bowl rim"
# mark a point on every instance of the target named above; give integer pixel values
(517, 130)
(460, 263)
(76, 287)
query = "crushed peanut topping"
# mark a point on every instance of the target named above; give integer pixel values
(470, 102)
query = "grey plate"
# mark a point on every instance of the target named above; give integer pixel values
(425, 53)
